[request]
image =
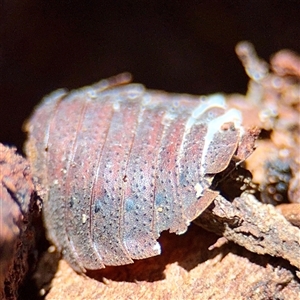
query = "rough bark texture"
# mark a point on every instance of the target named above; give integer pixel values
(258, 227)
(16, 210)
(185, 270)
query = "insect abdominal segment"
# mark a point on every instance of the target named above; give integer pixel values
(124, 164)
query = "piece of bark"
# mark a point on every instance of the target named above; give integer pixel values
(16, 210)
(258, 227)
(185, 270)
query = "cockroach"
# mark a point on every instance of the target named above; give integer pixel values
(119, 164)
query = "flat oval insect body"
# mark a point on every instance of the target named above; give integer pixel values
(122, 164)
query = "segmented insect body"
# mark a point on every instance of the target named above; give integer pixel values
(122, 164)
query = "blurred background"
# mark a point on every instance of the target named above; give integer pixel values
(178, 46)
